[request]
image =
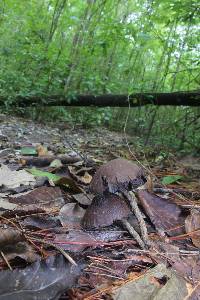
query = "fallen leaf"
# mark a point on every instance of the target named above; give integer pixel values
(39, 173)
(71, 215)
(56, 163)
(13, 179)
(45, 279)
(28, 150)
(78, 240)
(41, 150)
(49, 197)
(81, 175)
(163, 213)
(75, 241)
(56, 179)
(192, 223)
(86, 178)
(83, 198)
(10, 236)
(13, 244)
(148, 286)
(22, 250)
(171, 179)
(186, 265)
(69, 183)
(5, 204)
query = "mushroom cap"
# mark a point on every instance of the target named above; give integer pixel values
(118, 173)
(104, 210)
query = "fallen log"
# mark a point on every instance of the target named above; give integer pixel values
(174, 99)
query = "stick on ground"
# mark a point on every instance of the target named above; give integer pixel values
(133, 203)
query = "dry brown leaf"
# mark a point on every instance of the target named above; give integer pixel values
(163, 213)
(12, 179)
(192, 223)
(41, 150)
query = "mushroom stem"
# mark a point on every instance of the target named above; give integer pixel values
(133, 203)
(133, 232)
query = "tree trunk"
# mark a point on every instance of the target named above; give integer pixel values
(138, 99)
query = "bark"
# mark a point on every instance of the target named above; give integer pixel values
(139, 99)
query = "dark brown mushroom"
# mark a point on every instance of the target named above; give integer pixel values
(104, 210)
(107, 209)
(117, 174)
(121, 175)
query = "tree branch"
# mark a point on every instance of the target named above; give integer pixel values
(138, 99)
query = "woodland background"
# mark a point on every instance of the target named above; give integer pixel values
(71, 47)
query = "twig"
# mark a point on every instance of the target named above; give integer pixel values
(134, 233)
(83, 156)
(101, 268)
(11, 222)
(66, 255)
(105, 275)
(133, 203)
(153, 252)
(192, 291)
(190, 194)
(7, 262)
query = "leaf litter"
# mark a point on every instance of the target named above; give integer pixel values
(46, 182)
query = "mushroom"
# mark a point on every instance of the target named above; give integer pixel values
(104, 210)
(117, 174)
(107, 209)
(121, 175)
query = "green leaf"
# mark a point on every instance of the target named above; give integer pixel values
(171, 179)
(40, 173)
(28, 151)
(56, 163)
(58, 180)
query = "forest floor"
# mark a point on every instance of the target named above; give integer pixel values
(62, 138)
(97, 143)
(50, 211)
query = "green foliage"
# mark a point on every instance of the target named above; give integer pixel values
(77, 47)
(174, 128)
(28, 151)
(171, 179)
(91, 116)
(61, 46)
(39, 173)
